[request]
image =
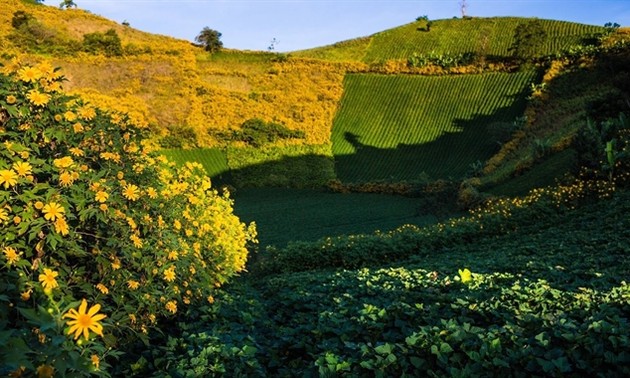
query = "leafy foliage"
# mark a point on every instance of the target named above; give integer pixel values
(210, 39)
(257, 133)
(107, 43)
(88, 212)
(536, 302)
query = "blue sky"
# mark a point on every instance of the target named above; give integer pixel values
(301, 24)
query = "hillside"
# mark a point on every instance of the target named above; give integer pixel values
(487, 37)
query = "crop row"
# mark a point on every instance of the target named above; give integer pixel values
(484, 36)
(398, 126)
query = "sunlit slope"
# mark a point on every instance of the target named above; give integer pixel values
(397, 127)
(490, 37)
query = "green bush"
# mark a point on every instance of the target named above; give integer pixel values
(257, 133)
(91, 217)
(107, 43)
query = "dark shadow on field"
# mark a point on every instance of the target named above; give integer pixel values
(450, 156)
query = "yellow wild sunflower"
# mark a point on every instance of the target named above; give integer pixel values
(22, 168)
(83, 321)
(48, 279)
(38, 98)
(101, 196)
(52, 211)
(131, 192)
(8, 178)
(12, 255)
(29, 74)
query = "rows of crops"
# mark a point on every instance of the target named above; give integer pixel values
(214, 160)
(485, 36)
(396, 127)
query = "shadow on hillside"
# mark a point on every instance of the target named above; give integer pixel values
(450, 156)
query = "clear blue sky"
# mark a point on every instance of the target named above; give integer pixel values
(301, 24)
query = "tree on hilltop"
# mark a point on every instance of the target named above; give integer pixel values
(210, 39)
(67, 4)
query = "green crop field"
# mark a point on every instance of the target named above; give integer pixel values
(284, 215)
(397, 127)
(214, 160)
(485, 36)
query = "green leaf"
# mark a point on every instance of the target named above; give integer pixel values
(384, 349)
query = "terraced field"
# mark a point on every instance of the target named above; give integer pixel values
(485, 36)
(214, 160)
(398, 127)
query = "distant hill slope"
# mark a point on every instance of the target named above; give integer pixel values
(189, 98)
(485, 36)
(399, 127)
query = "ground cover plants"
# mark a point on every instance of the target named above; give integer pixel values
(547, 297)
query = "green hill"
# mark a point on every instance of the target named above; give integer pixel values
(490, 37)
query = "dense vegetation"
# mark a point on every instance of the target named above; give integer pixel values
(91, 217)
(116, 262)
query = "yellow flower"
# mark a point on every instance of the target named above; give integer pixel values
(116, 264)
(133, 285)
(66, 178)
(152, 193)
(8, 178)
(78, 127)
(39, 205)
(52, 211)
(86, 113)
(69, 116)
(48, 279)
(465, 275)
(11, 99)
(103, 207)
(38, 98)
(11, 255)
(169, 274)
(23, 168)
(61, 226)
(75, 151)
(131, 192)
(171, 306)
(137, 242)
(4, 216)
(102, 288)
(83, 321)
(173, 255)
(64, 162)
(26, 295)
(95, 361)
(45, 371)
(101, 196)
(29, 74)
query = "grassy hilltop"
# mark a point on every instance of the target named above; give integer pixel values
(426, 201)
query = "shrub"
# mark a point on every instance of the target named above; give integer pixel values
(107, 43)
(90, 217)
(257, 133)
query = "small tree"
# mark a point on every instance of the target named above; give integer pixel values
(210, 39)
(67, 4)
(528, 40)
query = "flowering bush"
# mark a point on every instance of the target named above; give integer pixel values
(99, 236)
